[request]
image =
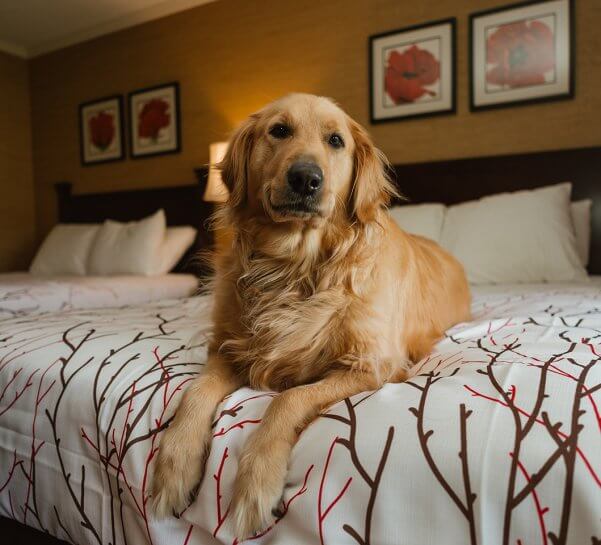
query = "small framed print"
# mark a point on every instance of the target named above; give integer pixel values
(412, 72)
(154, 121)
(522, 54)
(101, 130)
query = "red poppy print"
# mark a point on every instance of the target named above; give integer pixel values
(153, 117)
(520, 53)
(408, 73)
(102, 130)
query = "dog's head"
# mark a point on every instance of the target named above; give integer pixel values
(302, 159)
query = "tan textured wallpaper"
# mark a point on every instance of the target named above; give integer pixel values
(232, 56)
(17, 217)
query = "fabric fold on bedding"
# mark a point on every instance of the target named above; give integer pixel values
(23, 294)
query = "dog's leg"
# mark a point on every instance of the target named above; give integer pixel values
(185, 444)
(264, 461)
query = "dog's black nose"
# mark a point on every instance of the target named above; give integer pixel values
(305, 178)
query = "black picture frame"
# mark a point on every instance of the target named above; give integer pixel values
(86, 162)
(174, 85)
(452, 109)
(527, 101)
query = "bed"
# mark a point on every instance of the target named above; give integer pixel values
(494, 439)
(22, 294)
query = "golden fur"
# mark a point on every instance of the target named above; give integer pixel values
(318, 306)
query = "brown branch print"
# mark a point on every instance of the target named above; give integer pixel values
(465, 507)
(372, 482)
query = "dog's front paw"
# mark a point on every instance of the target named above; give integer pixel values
(257, 492)
(175, 481)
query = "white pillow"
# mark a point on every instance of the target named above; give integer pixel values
(65, 250)
(425, 220)
(177, 241)
(128, 248)
(581, 218)
(526, 236)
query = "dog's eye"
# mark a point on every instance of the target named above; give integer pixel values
(336, 141)
(280, 131)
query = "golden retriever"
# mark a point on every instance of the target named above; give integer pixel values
(320, 296)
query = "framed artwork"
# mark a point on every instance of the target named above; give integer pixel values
(154, 121)
(101, 134)
(522, 54)
(412, 72)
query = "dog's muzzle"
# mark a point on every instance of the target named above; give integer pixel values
(304, 188)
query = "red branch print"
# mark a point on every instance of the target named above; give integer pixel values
(321, 513)
(16, 463)
(540, 511)
(238, 425)
(18, 392)
(220, 517)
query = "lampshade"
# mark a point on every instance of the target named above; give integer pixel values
(216, 190)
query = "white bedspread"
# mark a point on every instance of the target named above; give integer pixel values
(495, 440)
(23, 294)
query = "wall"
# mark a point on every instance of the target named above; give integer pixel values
(232, 56)
(17, 214)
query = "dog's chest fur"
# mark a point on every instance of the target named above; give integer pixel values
(296, 324)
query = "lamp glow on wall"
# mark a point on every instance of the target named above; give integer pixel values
(216, 190)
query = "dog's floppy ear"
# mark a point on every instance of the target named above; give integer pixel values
(372, 189)
(235, 165)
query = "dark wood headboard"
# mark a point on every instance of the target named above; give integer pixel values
(448, 182)
(183, 205)
(452, 182)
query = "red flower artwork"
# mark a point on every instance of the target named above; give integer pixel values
(153, 117)
(102, 130)
(407, 73)
(521, 53)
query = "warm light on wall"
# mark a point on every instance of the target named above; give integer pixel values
(216, 190)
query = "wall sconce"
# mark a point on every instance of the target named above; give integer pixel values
(216, 190)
